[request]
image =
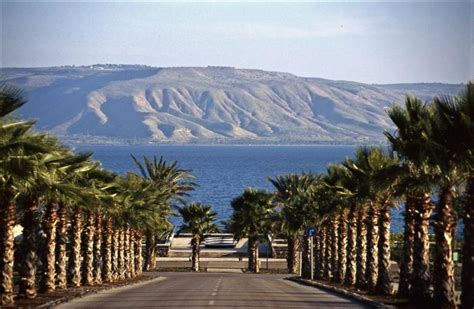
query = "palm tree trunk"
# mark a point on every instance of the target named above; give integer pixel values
(61, 238)
(121, 256)
(98, 249)
(139, 256)
(372, 266)
(406, 263)
(350, 277)
(443, 283)
(7, 222)
(108, 273)
(115, 255)
(292, 257)
(306, 257)
(384, 281)
(342, 247)
(150, 257)
(196, 244)
(88, 265)
(467, 276)
(420, 279)
(29, 264)
(334, 247)
(256, 257)
(48, 282)
(132, 254)
(127, 252)
(251, 254)
(328, 254)
(361, 283)
(321, 268)
(75, 258)
(317, 254)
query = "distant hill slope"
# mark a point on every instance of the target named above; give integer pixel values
(207, 104)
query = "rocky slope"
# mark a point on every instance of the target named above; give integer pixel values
(207, 105)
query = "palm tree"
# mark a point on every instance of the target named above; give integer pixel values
(18, 150)
(61, 240)
(453, 132)
(75, 274)
(108, 270)
(409, 140)
(361, 247)
(321, 267)
(340, 183)
(98, 248)
(406, 263)
(62, 167)
(30, 222)
(296, 214)
(251, 218)
(371, 164)
(176, 182)
(88, 245)
(198, 219)
(346, 188)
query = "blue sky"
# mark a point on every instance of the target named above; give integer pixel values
(374, 42)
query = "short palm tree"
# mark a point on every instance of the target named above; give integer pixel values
(198, 219)
(177, 182)
(250, 218)
(296, 214)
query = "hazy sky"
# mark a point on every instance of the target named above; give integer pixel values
(376, 42)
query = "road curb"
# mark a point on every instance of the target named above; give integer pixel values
(343, 292)
(66, 299)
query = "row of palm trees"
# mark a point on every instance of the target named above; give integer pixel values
(82, 225)
(429, 167)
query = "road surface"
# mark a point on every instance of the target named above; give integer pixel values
(219, 290)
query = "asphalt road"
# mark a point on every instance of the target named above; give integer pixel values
(220, 290)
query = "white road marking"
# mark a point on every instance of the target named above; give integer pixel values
(211, 302)
(214, 294)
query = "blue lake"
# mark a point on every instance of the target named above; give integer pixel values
(223, 172)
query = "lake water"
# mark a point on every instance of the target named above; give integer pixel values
(223, 172)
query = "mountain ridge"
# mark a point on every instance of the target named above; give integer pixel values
(208, 104)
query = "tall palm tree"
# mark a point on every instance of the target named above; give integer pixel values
(108, 271)
(410, 139)
(345, 186)
(61, 240)
(370, 164)
(28, 269)
(98, 248)
(19, 148)
(198, 219)
(453, 132)
(251, 218)
(75, 274)
(361, 248)
(406, 263)
(339, 180)
(57, 183)
(88, 245)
